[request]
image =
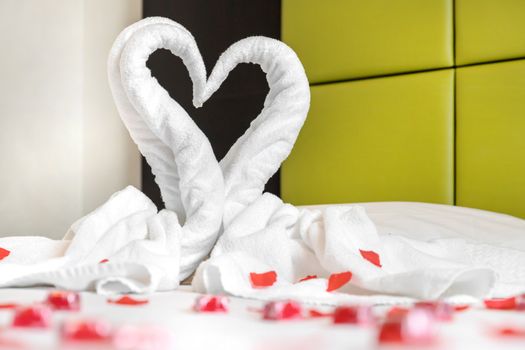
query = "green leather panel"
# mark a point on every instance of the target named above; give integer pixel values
(491, 137)
(375, 140)
(342, 39)
(488, 30)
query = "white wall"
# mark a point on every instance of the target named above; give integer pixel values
(63, 150)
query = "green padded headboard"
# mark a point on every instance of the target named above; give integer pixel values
(411, 101)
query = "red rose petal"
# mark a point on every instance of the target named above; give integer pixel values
(337, 280)
(461, 307)
(316, 313)
(309, 277)
(103, 261)
(35, 316)
(64, 300)
(85, 330)
(511, 332)
(501, 303)
(4, 253)
(371, 256)
(127, 300)
(261, 280)
(211, 303)
(282, 310)
(9, 305)
(359, 315)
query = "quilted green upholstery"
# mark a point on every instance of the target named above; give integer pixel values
(489, 30)
(341, 39)
(491, 137)
(448, 123)
(358, 142)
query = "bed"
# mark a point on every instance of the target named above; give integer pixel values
(417, 111)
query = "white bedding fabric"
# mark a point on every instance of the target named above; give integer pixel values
(425, 251)
(243, 329)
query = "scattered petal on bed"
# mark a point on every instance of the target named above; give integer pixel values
(4, 253)
(103, 261)
(34, 316)
(501, 303)
(313, 313)
(64, 300)
(371, 256)
(415, 327)
(461, 307)
(337, 280)
(361, 315)
(9, 305)
(86, 330)
(511, 332)
(261, 280)
(211, 303)
(127, 300)
(282, 310)
(309, 277)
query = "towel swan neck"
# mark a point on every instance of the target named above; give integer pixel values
(259, 152)
(180, 155)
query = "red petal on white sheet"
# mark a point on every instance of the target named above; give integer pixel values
(337, 280)
(461, 307)
(103, 261)
(313, 313)
(309, 277)
(261, 280)
(510, 331)
(9, 305)
(4, 253)
(127, 300)
(371, 256)
(501, 303)
(63, 300)
(35, 316)
(89, 330)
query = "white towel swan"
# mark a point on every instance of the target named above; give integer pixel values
(178, 152)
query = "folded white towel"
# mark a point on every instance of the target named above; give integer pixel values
(298, 242)
(123, 246)
(259, 152)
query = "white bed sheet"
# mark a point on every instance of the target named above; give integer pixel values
(242, 328)
(427, 221)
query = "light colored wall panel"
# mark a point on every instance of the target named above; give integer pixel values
(40, 116)
(111, 160)
(62, 148)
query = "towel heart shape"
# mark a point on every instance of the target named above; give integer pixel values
(203, 193)
(256, 155)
